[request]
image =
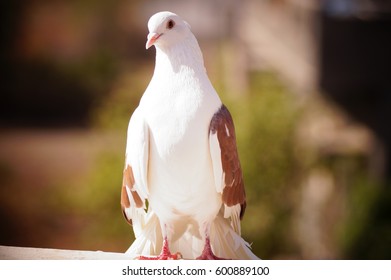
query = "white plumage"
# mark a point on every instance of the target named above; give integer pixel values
(181, 157)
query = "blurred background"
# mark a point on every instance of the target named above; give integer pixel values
(308, 83)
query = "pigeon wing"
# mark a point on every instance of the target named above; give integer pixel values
(134, 187)
(226, 166)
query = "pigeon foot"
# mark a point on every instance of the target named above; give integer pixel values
(165, 254)
(207, 253)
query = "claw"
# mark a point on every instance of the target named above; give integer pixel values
(207, 253)
(164, 255)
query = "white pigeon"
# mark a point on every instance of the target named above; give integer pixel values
(183, 189)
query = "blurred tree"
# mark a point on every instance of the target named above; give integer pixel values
(60, 58)
(265, 121)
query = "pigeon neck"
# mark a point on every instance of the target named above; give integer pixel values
(184, 55)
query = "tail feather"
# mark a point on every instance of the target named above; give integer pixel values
(226, 243)
(149, 239)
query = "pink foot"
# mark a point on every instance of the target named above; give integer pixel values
(207, 253)
(164, 255)
(169, 256)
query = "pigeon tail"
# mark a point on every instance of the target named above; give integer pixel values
(149, 241)
(225, 241)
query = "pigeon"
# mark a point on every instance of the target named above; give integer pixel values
(182, 188)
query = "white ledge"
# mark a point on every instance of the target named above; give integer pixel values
(24, 253)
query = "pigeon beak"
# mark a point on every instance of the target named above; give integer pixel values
(152, 38)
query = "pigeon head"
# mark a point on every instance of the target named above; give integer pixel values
(166, 29)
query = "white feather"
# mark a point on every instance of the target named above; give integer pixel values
(137, 152)
(227, 130)
(215, 153)
(233, 212)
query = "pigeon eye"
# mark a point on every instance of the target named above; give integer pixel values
(170, 24)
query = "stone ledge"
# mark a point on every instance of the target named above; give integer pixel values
(25, 253)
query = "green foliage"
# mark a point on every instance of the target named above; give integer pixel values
(104, 206)
(96, 202)
(115, 111)
(366, 233)
(265, 120)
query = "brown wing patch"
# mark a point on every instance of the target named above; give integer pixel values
(128, 179)
(233, 192)
(124, 198)
(128, 182)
